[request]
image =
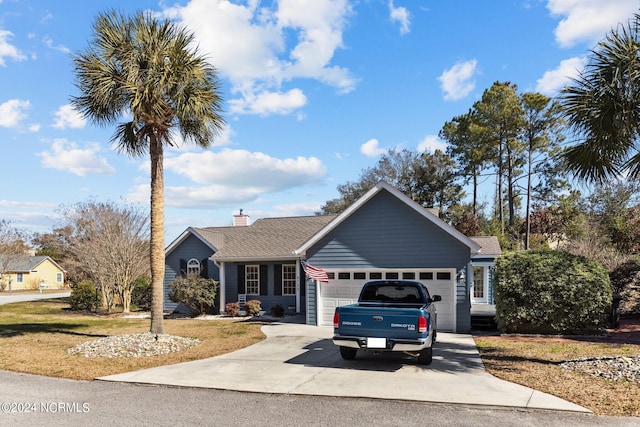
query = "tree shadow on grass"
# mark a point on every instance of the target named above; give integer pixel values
(8, 331)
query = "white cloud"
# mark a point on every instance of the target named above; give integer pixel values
(372, 148)
(241, 168)
(552, 81)
(67, 156)
(7, 50)
(266, 103)
(589, 20)
(49, 42)
(232, 177)
(457, 82)
(400, 15)
(431, 143)
(258, 48)
(68, 117)
(12, 112)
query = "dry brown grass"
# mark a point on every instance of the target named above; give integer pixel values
(35, 336)
(534, 362)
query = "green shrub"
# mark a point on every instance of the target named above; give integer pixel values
(253, 307)
(197, 293)
(550, 292)
(232, 309)
(141, 295)
(85, 296)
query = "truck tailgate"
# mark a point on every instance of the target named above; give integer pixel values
(370, 321)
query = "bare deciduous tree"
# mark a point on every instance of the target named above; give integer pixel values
(12, 249)
(111, 243)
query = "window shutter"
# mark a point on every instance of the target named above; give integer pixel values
(241, 283)
(303, 284)
(264, 279)
(277, 279)
(183, 267)
(204, 268)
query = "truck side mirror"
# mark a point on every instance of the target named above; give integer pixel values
(436, 298)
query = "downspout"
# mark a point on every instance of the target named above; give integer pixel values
(222, 286)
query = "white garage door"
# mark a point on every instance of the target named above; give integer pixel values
(343, 289)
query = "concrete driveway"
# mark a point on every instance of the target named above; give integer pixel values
(300, 359)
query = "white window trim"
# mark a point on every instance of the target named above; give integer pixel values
(193, 266)
(291, 280)
(254, 281)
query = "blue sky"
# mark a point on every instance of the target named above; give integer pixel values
(315, 91)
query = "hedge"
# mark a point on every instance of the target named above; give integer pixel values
(550, 292)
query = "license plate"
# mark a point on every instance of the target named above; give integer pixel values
(376, 343)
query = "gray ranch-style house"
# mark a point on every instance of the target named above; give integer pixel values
(383, 235)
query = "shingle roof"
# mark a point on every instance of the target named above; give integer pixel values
(489, 245)
(266, 238)
(23, 264)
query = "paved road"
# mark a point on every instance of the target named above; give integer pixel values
(8, 298)
(80, 403)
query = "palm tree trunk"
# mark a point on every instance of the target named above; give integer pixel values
(157, 236)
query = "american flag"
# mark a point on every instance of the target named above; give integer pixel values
(314, 272)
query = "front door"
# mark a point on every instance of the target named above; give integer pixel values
(479, 294)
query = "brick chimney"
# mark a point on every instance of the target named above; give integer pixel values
(241, 220)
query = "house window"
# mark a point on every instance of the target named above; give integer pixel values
(408, 275)
(19, 277)
(59, 278)
(391, 276)
(360, 276)
(426, 275)
(443, 275)
(193, 267)
(289, 279)
(344, 276)
(252, 279)
(375, 276)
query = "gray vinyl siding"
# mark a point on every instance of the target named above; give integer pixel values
(312, 303)
(386, 233)
(192, 247)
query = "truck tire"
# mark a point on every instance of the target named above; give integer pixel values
(348, 353)
(426, 356)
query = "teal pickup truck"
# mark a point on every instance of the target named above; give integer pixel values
(390, 315)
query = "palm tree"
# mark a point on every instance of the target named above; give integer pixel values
(145, 75)
(601, 106)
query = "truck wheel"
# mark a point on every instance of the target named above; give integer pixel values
(426, 356)
(348, 353)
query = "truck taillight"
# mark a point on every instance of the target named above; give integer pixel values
(422, 324)
(336, 319)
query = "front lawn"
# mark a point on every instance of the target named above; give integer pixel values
(35, 336)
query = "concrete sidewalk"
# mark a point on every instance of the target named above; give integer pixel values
(301, 359)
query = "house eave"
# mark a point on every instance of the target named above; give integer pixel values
(294, 257)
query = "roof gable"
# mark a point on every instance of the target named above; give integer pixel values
(383, 186)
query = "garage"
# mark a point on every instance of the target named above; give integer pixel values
(344, 287)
